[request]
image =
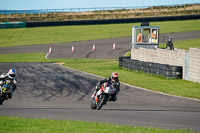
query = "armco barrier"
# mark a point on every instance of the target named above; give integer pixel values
(12, 25)
(168, 71)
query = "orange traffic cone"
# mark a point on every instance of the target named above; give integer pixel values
(93, 48)
(114, 47)
(73, 50)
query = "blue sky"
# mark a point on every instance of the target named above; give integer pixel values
(60, 4)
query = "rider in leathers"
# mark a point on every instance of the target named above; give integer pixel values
(113, 79)
(8, 76)
(169, 44)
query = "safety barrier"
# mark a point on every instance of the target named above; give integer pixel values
(94, 22)
(111, 21)
(168, 71)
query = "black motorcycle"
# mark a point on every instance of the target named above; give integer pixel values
(103, 95)
(6, 91)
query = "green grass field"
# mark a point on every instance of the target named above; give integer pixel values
(186, 44)
(29, 125)
(59, 34)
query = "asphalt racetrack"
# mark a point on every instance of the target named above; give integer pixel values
(47, 90)
(83, 49)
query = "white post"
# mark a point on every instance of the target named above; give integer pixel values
(186, 74)
(39, 13)
(46, 12)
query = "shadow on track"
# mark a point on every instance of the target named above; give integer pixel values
(45, 81)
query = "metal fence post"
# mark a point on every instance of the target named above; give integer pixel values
(46, 12)
(143, 9)
(186, 65)
(184, 7)
(39, 13)
(160, 9)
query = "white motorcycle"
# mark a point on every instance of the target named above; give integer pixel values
(103, 95)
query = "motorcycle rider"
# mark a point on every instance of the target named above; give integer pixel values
(169, 44)
(8, 76)
(113, 79)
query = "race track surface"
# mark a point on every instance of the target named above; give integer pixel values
(47, 90)
(83, 49)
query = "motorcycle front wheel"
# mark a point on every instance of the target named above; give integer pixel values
(100, 102)
(93, 104)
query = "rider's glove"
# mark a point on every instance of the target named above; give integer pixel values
(15, 82)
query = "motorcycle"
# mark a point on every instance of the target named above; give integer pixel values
(5, 91)
(103, 95)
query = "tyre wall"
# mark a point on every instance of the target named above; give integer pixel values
(165, 70)
(188, 60)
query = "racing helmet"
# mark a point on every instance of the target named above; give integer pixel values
(114, 76)
(11, 73)
(170, 39)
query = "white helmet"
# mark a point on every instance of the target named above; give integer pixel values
(11, 73)
(114, 76)
(170, 39)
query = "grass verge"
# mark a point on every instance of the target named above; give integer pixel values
(59, 34)
(186, 44)
(30, 125)
(104, 67)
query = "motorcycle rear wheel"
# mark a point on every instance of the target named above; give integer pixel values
(6, 97)
(1, 100)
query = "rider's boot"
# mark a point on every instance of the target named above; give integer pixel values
(114, 97)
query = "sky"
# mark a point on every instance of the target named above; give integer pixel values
(65, 4)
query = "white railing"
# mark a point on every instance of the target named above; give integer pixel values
(105, 12)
